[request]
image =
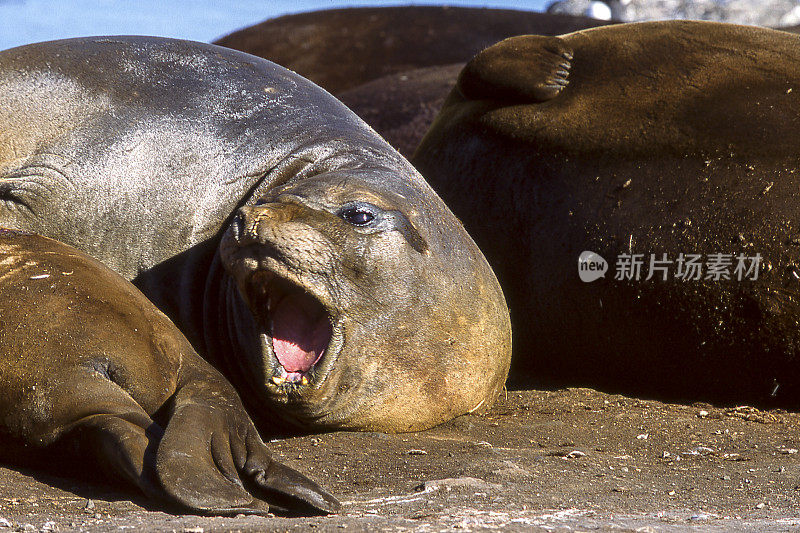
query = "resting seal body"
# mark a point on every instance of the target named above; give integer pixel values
(656, 138)
(340, 49)
(401, 107)
(141, 151)
(90, 367)
(393, 66)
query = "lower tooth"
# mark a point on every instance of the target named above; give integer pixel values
(278, 380)
(304, 380)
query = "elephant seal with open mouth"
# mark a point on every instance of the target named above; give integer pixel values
(351, 297)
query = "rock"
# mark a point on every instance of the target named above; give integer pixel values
(448, 484)
(599, 11)
(771, 13)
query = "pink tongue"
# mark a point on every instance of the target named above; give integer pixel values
(297, 337)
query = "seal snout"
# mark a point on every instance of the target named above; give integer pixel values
(237, 226)
(252, 223)
(284, 264)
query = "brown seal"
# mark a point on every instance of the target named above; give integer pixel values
(676, 138)
(393, 66)
(401, 107)
(340, 49)
(89, 366)
(357, 321)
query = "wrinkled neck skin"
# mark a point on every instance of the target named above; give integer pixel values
(180, 285)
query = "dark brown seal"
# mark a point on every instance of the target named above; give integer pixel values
(401, 107)
(88, 365)
(340, 49)
(393, 66)
(667, 140)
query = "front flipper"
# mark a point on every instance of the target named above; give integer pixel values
(212, 460)
(209, 458)
(526, 69)
(97, 423)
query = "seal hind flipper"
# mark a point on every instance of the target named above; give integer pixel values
(527, 68)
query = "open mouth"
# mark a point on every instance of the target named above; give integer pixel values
(296, 328)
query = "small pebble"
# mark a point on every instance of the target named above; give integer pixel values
(49, 526)
(417, 452)
(574, 454)
(760, 505)
(197, 529)
(4, 522)
(89, 504)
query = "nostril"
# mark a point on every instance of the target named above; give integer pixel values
(237, 226)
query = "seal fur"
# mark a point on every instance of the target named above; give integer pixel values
(90, 367)
(139, 151)
(669, 138)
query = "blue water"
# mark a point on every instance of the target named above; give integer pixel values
(28, 21)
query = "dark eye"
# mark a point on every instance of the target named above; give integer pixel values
(357, 215)
(261, 201)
